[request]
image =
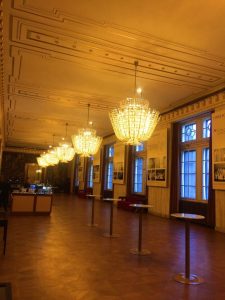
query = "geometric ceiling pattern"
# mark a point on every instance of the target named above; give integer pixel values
(58, 56)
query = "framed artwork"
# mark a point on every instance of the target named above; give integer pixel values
(81, 169)
(119, 163)
(96, 173)
(218, 150)
(157, 159)
(96, 166)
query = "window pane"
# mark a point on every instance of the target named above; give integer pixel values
(108, 184)
(138, 175)
(188, 174)
(139, 148)
(188, 132)
(206, 128)
(110, 151)
(205, 174)
(90, 173)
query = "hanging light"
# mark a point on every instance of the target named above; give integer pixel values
(65, 152)
(51, 156)
(86, 142)
(134, 121)
(42, 162)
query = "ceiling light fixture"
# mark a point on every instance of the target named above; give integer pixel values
(42, 162)
(65, 152)
(51, 156)
(134, 121)
(86, 142)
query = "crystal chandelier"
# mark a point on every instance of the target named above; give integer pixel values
(134, 121)
(65, 152)
(48, 158)
(86, 142)
(51, 157)
(42, 162)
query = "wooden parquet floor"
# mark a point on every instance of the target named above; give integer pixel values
(60, 257)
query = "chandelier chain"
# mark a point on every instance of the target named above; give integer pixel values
(66, 128)
(88, 113)
(135, 77)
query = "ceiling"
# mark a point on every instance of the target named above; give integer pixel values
(58, 56)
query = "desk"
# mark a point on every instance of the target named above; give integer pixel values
(186, 277)
(110, 234)
(31, 203)
(92, 197)
(139, 250)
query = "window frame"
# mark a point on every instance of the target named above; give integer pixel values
(198, 145)
(137, 155)
(108, 161)
(90, 182)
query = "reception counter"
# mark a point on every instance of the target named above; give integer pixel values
(31, 203)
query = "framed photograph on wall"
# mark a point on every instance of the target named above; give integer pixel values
(81, 170)
(218, 150)
(157, 159)
(96, 167)
(119, 163)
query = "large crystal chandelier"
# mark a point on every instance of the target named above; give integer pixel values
(134, 121)
(86, 142)
(42, 162)
(65, 152)
(51, 157)
(48, 158)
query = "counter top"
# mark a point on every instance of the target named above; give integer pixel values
(31, 193)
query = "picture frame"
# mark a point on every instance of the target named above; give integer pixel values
(157, 159)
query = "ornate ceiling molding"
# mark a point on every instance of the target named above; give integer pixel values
(193, 69)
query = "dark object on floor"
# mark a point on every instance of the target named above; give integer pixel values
(5, 291)
(4, 224)
(126, 201)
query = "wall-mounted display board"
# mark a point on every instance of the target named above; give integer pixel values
(157, 159)
(119, 163)
(218, 149)
(81, 169)
(96, 166)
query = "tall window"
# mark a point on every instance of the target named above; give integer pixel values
(108, 182)
(90, 172)
(139, 178)
(194, 159)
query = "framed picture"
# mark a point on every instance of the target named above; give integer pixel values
(218, 150)
(96, 173)
(96, 167)
(81, 169)
(118, 163)
(157, 159)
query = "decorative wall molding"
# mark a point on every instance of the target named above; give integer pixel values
(203, 105)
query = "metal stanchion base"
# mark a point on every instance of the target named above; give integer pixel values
(92, 225)
(142, 252)
(108, 235)
(193, 279)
